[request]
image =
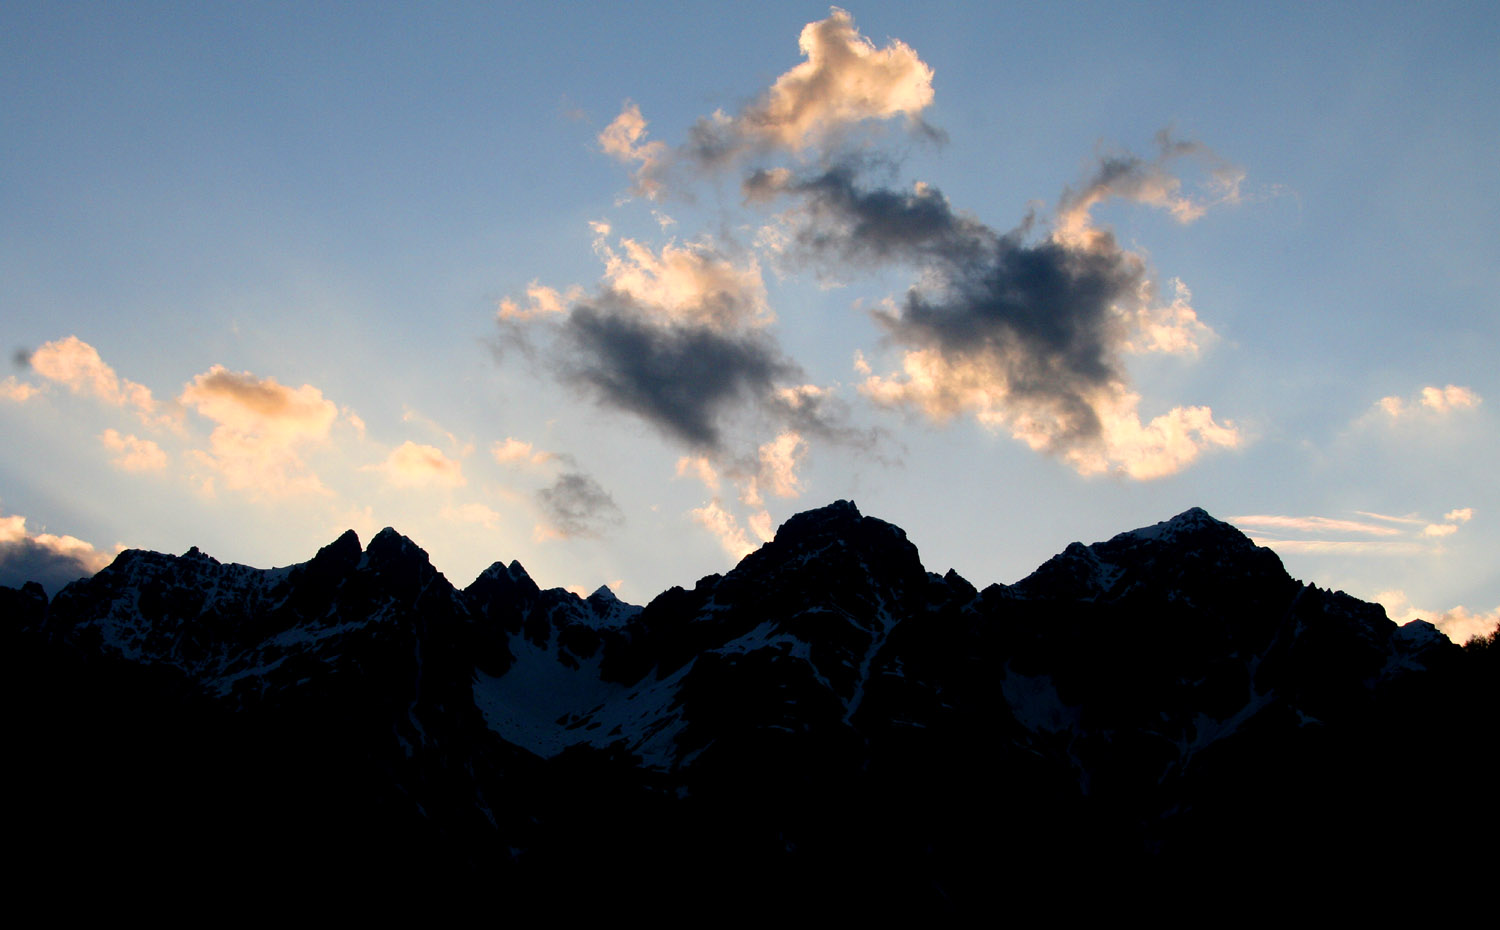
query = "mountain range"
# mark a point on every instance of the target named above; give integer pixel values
(827, 723)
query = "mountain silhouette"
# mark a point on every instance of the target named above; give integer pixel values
(826, 722)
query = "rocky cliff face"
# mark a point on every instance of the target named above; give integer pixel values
(827, 720)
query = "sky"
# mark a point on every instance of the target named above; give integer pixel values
(614, 291)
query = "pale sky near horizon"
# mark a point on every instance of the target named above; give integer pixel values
(615, 291)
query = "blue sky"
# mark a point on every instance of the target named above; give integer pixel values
(255, 265)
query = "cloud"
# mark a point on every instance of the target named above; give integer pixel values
(51, 561)
(16, 391)
(544, 301)
(134, 454)
(691, 284)
(725, 528)
(701, 468)
(623, 137)
(844, 81)
(676, 337)
(1025, 334)
(1429, 401)
(261, 426)
(513, 451)
(472, 513)
(1461, 515)
(77, 365)
(1124, 176)
(1339, 546)
(1458, 623)
(1315, 524)
(681, 378)
(575, 505)
(412, 465)
(1410, 520)
(779, 460)
(1409, 541)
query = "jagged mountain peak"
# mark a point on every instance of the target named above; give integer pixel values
(343, 552)
(1192, 549)
(836, 517)
(1193, 523)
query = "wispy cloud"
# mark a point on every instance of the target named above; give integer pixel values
(1339, 546)
(724, 527)
(1402, 538)
(1316, 524)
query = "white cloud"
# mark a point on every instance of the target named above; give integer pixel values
(1461, 515)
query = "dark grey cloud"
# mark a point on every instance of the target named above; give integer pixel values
(21, 358)
(576, 505)
(682, 378)
(1037, 312)
(25, 559)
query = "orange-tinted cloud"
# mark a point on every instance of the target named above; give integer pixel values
(76, 364)
(262, 426)
(725, 528)
(514, 451)
(414, 465)
(133, 453)
(16, 391)
(844, 81)
(1430, 401)
(1459, 623)
(51, 561)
